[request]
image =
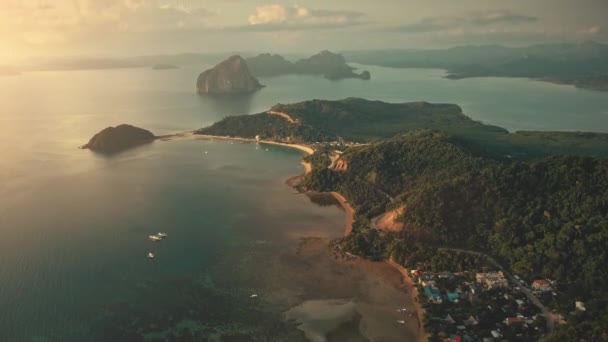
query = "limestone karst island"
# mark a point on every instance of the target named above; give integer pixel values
(230, 77)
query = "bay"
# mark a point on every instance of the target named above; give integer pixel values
(74, 224)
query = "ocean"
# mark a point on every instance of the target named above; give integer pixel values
(74, 224)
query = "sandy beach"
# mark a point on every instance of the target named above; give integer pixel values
(301, 147)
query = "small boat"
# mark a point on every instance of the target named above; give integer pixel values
(253, 295)
(162, 235)
(150, 255)
(154, 238)
(401, 322)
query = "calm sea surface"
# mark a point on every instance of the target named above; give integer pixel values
(74, 225)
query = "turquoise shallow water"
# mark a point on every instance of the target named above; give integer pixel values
(74, 224)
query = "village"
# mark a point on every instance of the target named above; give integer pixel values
(480, 306)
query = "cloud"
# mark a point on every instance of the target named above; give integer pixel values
(279, 17)
(468, 21)
(593, 30)
(500, 17)
(39, 22)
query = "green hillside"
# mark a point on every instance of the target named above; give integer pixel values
(544, 218)
(360, 120)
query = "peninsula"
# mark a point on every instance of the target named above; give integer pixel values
(230, 77)
(448, 199)
(359, 120)
(119, 138)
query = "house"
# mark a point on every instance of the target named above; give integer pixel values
(433, 294)
(471, 321)
(520, 303)
(542, 285)
(452, 338)
(430, 283)
(474, 288)
(425, 278)
(580, 306)
(452, 297)
(514, 320)
(448, 319)
(492, 280)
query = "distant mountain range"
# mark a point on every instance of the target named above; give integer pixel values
(584, 65)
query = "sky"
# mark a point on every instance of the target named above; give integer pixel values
(51, 28)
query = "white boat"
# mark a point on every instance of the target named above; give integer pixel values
(150, 255)
(154, 238)
(401, 322)
(253, 295)
(162, 235)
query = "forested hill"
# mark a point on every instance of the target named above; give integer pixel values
(352, 119)
(543, 218)
(360, 120)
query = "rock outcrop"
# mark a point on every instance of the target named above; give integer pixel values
(231, 76)
(331, 65)
(121, 137)
(266, 65)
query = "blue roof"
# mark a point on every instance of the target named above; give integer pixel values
(432, 292)
(452, 296)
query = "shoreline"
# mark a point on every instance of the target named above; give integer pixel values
(301, 147)
(350, 212)
(421, 335)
